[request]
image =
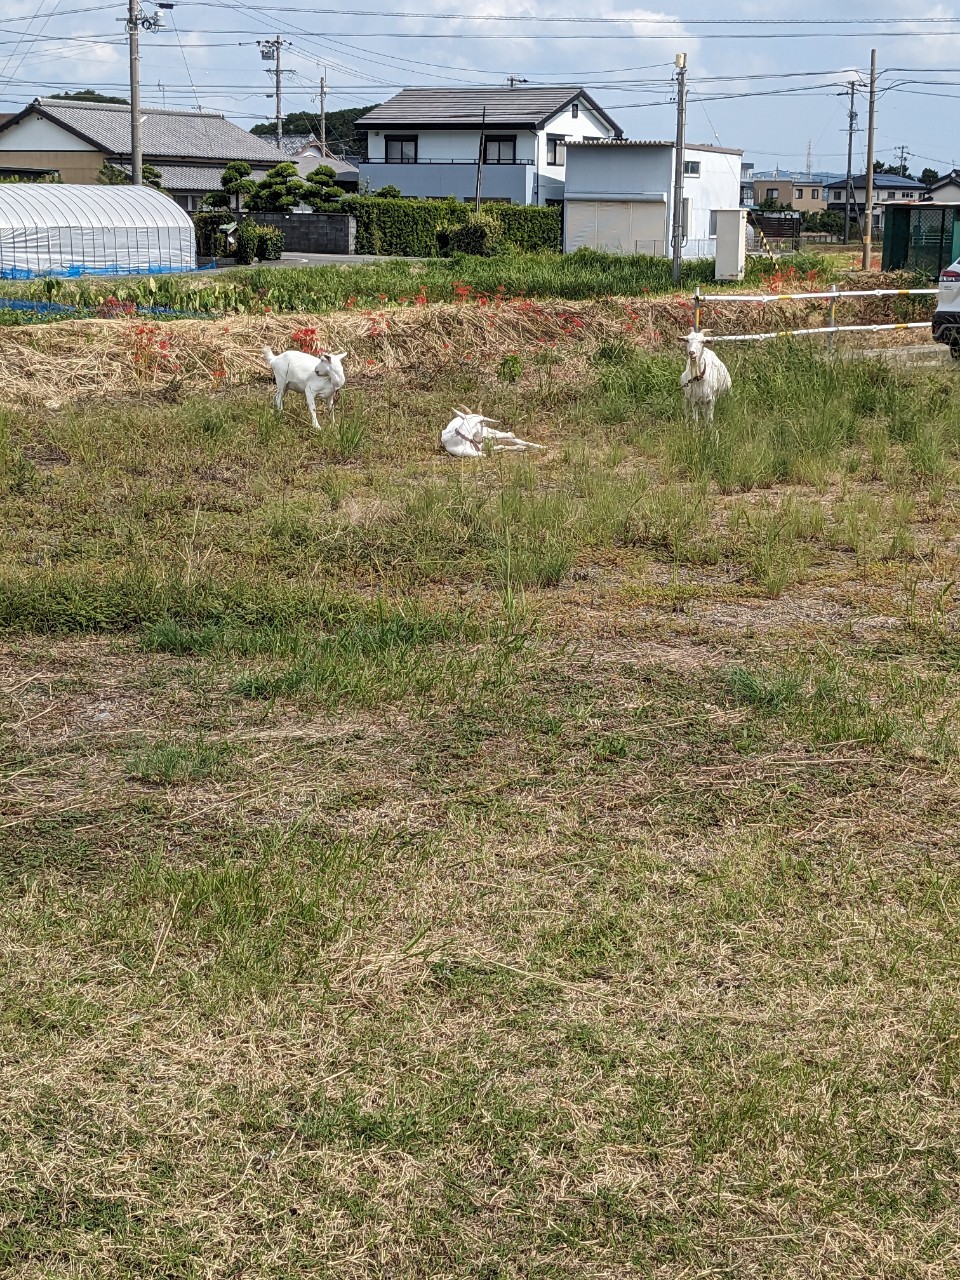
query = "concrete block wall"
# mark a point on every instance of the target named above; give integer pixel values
(312, 232)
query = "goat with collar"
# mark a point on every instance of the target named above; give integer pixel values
(705, 378)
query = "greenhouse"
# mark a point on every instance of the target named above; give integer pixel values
(53, 229)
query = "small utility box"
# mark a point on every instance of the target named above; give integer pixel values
(731, 244)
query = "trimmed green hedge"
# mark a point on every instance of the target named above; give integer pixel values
(421, 228)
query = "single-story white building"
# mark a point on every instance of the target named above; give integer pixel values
(619, 196)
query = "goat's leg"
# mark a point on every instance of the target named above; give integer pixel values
(311, 399)
(278, 398)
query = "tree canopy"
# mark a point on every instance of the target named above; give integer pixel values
(341, 135)
(90, 95)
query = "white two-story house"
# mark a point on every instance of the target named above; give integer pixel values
(437, 142)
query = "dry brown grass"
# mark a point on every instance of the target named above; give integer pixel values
(632, 954)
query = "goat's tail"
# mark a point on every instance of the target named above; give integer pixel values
(269, 356)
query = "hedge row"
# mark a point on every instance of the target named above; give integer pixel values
(420, 228)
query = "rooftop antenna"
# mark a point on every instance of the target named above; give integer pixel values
(512, 80)
(810, 158)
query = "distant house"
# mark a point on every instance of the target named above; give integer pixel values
(306, 153)
(887, 187)
(619, 196)
(946, 190)
(804, 192)
(190, 148)
(431, 142)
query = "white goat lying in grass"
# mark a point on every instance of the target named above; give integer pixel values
(467, 434)
(320, 375)
(704, 379)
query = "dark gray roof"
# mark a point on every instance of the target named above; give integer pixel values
(651, 142)
(196, 177)
(523, 105)
(202, 135)
(292, 143)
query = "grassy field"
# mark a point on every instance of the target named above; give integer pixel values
(577, 276)
(534, 869)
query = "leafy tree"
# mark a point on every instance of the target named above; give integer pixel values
(341, 135)
(320, 189)
(111, 175)
(828, 220)
(234, 181)
(89, 95)
(278, 191)
(895, 170)
(770, 205)
(216, 200)
(390, 192)
(928, 177)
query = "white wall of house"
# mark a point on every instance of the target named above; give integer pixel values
(949, 193)
(716, 187)
(551, 179)
(638, 177)
(33, 133)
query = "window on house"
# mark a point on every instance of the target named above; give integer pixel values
(773, 193)
(401, 150)
(556, 151)
(814, 193)
(798, 193)
(499, 151)
(691, 168)
(712, 229)
(575, 110)
(837, 195)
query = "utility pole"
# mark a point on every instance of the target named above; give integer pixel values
(871, 124)
(134, 18)
(809, 157)
(680, 63)
(851, 126)
(270, 52)
(904, 153)
(483, 125)
(323, 115)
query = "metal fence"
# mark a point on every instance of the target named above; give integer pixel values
(832, 297)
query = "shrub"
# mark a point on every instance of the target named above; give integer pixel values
(211, 241)
(529, 228)
(248, 239)
(481, 235)
(278, 191)
(428, 228)
(389, 192)
(270, 243)
(321, 190)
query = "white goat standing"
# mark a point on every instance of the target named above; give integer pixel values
(320, 375)
(467, 434)
(704, 379)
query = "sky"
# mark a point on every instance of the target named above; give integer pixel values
(771, 81)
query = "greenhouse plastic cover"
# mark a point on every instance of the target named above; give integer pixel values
(71, 230)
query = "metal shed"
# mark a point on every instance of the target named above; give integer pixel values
(66, 230)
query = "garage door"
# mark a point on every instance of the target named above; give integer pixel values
(618, 226)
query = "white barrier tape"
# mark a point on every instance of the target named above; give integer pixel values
(798, 333)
